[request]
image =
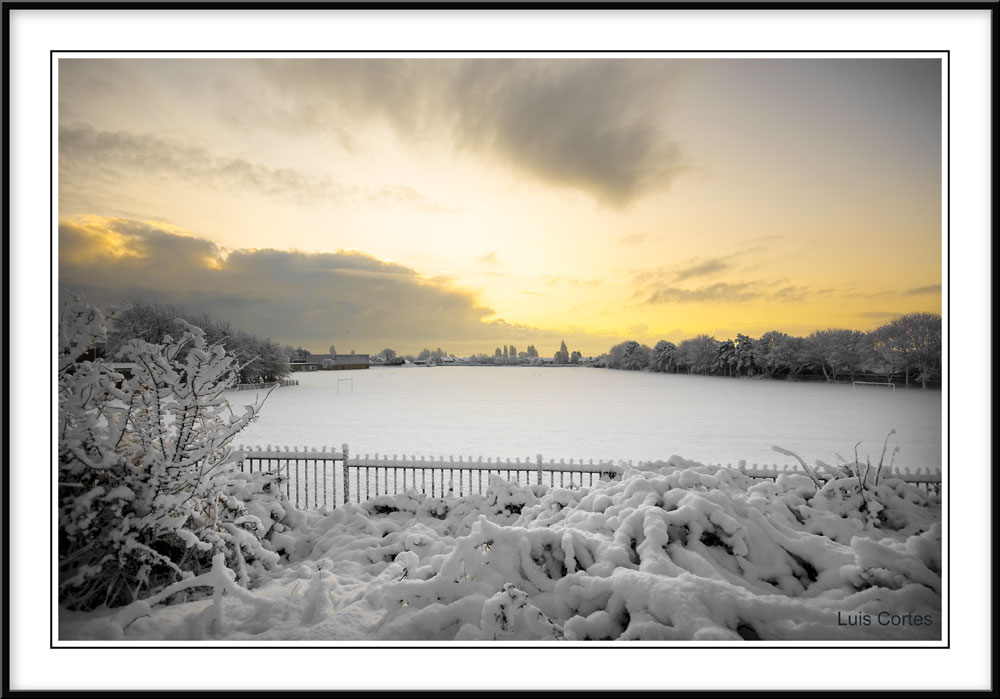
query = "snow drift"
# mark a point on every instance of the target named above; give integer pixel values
(673, 550)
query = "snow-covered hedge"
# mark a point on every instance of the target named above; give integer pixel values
(673, 551)
(147, 490)
(679, 551)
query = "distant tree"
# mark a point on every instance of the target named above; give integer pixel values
(835, 351)
(327, 363)
(387, 354)
(333, 350)
(575, 357)
(532, 352)
(513, 354)
(438, 354)
(498, 354)
(562, 356)
(725, 357)
(745, 363)
(663, 356)
(698, 354)
(766, 351)
(912, 342)
(424, 355)
(256, 358)
(629, 355)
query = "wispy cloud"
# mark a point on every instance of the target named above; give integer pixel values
(721, 291)
(929, 289)
(791, 293)
(633, 239)
(86, 154)
(879, 315)
(702, 269)
(491, 258)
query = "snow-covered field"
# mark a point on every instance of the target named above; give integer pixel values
(676, 551)
(585, 413)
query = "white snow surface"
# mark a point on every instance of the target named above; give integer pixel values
(675, 550)
(601, 414)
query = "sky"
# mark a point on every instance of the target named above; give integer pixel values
(476, 202)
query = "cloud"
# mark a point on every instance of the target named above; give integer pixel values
(593, 125)
(721, 291)
(109, 157)
(879, 315)
(490, 258)
(791, 293)
(929, 289)
(727, 292)
(708, 267)
(294, 297)
(868, 294)
(633, 239)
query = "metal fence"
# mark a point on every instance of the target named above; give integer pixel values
(318, 478)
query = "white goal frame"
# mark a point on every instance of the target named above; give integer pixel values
(855, 384)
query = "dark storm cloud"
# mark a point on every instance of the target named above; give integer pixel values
(86, 154)
(595, 125)
(288, 295)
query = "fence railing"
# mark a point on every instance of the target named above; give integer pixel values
(325, 477)
(256, 386)
(316, 478)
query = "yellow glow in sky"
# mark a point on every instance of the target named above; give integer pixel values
(592, 199)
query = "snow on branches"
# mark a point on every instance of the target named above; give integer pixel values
(147, 495)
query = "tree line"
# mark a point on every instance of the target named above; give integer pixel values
(257, 358)
(908, 346)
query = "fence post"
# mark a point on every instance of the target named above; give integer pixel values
(538, 471)
(347, 480)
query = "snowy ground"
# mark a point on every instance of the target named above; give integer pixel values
(585, 413)
(674, 551)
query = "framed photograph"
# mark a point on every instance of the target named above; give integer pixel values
(409, 338)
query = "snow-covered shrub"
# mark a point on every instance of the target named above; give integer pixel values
(674, 550)
(147, 494)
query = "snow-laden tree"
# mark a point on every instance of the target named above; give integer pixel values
(911, 342)
(145, 490)
(629, 355)
(698, 353)
(663, 356)
(725, 357)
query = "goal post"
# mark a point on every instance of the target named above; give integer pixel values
(885, 384)
(348, 383)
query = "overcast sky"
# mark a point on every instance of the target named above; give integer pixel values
(472, 203)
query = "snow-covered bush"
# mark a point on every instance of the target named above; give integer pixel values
(673, 550)
(147, 494)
